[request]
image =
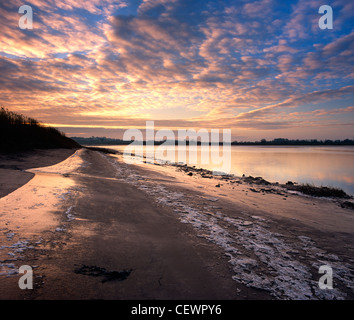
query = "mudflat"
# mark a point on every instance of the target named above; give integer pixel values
(112, 230)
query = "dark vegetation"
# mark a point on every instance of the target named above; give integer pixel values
(315, 191)
(100, 141)
(95, 271)
(266, 186)
(21, 133)
(297, 142)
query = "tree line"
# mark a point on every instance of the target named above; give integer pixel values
(275, 142)
(20, 133)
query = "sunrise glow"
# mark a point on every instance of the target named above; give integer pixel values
(263, 69)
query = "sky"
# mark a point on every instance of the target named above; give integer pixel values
(264, 69)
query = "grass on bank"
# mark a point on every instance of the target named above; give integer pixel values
(315, 191)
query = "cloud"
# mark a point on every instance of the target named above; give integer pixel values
(323, 112)
(187, 63)
(258, 9)
(56, 29)
(312, 97)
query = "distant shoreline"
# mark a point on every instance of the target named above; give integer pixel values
(102, 141)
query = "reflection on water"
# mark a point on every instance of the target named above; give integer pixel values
(320, 165)
(317, 165)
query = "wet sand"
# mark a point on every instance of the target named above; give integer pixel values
(12, 166)
(172, 235)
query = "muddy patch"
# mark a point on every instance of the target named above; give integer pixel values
(95, 271)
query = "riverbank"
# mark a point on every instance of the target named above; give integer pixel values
(13, 166)
(157, 232)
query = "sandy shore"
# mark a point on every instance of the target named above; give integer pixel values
(94, 227)
(12, 166)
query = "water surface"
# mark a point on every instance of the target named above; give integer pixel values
(319, 165)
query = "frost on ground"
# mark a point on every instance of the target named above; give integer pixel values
(12, 252)
(286, 268)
